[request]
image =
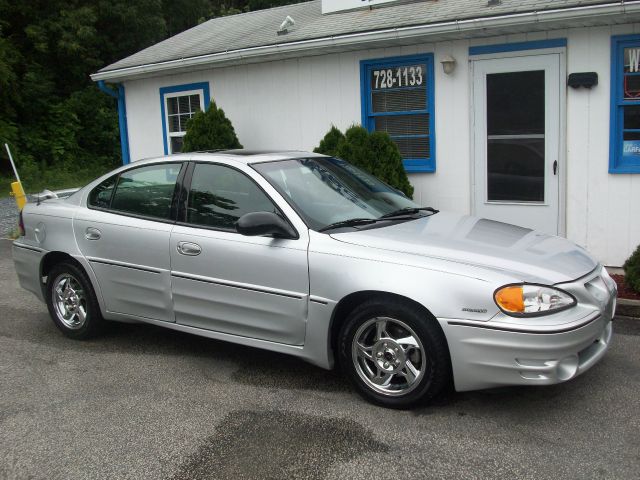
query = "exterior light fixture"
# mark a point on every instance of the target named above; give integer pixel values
(448, 64)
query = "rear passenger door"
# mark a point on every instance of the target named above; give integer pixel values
(223, 281)
(124, 233)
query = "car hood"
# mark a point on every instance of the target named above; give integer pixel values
(525, 254)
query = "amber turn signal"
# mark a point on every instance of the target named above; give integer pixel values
(511, 299)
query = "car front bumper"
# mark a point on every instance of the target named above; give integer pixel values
(499, 353)
(485, 358)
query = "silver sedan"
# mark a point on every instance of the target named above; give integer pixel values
(307, 255)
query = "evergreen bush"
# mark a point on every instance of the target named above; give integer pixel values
(210, 130)
(329, 144)
(632, 270)
(373, 152)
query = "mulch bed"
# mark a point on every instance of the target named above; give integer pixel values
(624, 290)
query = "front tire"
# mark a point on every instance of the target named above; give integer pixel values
(394, 353)
(72, 302)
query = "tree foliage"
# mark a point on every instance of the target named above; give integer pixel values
(632, 270)
(373, 152)
(51, 114)
(210, 130)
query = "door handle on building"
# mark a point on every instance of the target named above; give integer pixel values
(188, 248)
(92, 234)
(555, 167)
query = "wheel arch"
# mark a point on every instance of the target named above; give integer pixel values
(348, 303)
(53, 258)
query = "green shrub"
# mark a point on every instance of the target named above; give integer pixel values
(329, 144)
(210, 130)
(632, 270)
(373, 152)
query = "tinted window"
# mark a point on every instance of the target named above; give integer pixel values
(220, 195)
(147, 191)
(100, 196)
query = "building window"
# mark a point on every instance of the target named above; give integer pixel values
(625, 105)
(397, 98)
(178, 104)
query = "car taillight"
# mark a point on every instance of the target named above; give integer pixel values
(21, 225)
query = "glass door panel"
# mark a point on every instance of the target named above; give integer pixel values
(515, 136)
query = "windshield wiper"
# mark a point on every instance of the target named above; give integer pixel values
(409, 211)
(349, 223)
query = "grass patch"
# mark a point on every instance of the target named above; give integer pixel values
(54, 179)
(5, 186)
(13, 234)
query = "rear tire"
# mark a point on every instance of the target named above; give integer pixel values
(394, 353)
(72, 302)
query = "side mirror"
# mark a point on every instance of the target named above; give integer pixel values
(264, 223)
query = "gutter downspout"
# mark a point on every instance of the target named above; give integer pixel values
(122, 117)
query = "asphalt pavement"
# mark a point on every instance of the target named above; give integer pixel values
(142, 402)
(8, 216)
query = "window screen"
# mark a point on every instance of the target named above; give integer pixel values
(147, 191)
(220, 195)
(398, 100)
(625, 105)
(180, 109)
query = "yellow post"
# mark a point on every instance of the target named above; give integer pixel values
(18, 193)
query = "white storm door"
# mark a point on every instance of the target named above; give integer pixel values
(516, 132)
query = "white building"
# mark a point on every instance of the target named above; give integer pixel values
(525, 111)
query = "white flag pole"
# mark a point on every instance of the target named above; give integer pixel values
(15, 170)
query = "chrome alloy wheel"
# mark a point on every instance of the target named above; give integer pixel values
(69, 301)
(388, 356)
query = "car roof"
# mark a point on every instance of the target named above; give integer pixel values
(231, 156)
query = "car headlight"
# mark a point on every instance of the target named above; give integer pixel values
(529, 300)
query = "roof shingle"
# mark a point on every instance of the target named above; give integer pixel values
(259, 28)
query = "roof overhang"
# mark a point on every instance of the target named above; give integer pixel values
(570, 17)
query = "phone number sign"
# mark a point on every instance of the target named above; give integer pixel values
(406, 76)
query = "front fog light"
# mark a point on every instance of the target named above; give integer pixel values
(532, 300)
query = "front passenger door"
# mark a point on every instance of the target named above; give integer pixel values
(223, 281)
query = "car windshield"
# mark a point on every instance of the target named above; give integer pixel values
(325, 191)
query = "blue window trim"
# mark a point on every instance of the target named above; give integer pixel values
(617, 162)
(518, 46)
(411, 165)
(204, 86)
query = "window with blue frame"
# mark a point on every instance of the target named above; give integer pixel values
(397, 98)
(178, 104)
(625, 105)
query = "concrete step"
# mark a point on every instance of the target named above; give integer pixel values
(628, 308)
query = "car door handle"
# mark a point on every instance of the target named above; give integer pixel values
(92, 234)
(188, 248)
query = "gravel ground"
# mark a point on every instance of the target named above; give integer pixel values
(142, 402)
(8, 216)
